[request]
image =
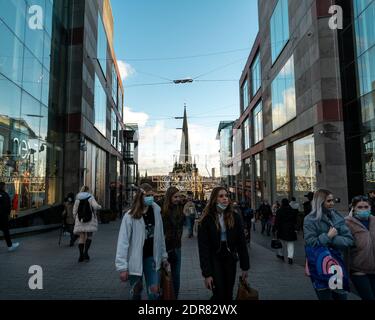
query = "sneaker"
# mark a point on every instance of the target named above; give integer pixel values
(13, 247)
(290, 260)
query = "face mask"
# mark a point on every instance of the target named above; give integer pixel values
(149, 200)
(222, 206)
(363, 214)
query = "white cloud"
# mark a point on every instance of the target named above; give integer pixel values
(126, 70)
(135, 117)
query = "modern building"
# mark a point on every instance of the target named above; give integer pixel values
(307, 102)
(62, 106)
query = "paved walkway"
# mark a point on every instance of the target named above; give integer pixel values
(64, 278)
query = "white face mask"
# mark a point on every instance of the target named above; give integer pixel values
(222, 206)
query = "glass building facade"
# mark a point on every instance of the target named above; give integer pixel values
(258, 123)
(364, 26)
(30, 138)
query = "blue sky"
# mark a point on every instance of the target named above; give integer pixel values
(158, 29)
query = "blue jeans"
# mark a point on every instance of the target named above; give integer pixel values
(152, 278)
(328, 294)
(365, 286)
(174, 259)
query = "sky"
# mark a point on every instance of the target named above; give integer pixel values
(157, 41)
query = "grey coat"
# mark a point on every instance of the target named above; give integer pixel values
(316, 232)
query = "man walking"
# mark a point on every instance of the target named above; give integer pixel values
(190, 213)
(5, 208)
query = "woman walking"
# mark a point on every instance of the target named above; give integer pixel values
(285, 227)
(173, 221)
(221, 242)
(141, 245)
(362, 257)
(86, 221)
(325, 229)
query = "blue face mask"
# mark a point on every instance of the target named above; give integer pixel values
(149, 200)
(363, 214)
(222, 206)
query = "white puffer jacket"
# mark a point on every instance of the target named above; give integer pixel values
(130, 243)
(91, 226)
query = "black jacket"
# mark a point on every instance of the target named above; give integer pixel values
(209, 243)
(285, 224)
(5, 207)
(265, 211)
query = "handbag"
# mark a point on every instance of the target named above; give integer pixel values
(276, 244)
(166, 285)
(245, 292)
(319, 261)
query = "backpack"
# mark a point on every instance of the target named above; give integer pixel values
(84, 210)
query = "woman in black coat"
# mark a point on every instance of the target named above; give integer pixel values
(221, 242)
(285, 225)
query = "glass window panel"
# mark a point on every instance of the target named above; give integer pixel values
(258, 123)
(102, 46)
(30, 116)
(11, 55)
(100, 105)
(45, 87)
(246, 134)
(255, 76)
(13, 13)
(279, 28)
(304, 167)
(284, 96)
(44, 123)
(47, 52)
(245, 94)
(34, 38)
(281, 172)
(32, 75)
(10, 103)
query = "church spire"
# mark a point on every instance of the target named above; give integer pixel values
(185, 156)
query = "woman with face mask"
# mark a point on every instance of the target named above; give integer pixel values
(141, 245)
(221, 242)
(173, 221)
(324, 227)
(362, 257)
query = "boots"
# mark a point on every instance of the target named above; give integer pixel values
(81, 247)
(87, 247)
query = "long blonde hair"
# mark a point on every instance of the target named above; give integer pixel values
(211, 209)
(138, 206)
(320, 197)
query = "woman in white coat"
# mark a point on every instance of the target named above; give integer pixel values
(141, 245)
(85, 229)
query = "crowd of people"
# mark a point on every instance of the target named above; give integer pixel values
(150, 238)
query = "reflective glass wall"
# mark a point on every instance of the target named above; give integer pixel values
(30, 157)
(364, 25)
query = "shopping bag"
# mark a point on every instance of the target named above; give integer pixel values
(322, 264)
(167, 291)
(245, 292)
(276, 244)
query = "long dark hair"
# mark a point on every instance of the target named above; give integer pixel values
(211, 209)
(167, 204)
(138, 205)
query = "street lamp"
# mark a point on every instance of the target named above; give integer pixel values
(182, 81)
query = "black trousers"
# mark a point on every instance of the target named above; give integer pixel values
(224, 275)
(5, 229)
